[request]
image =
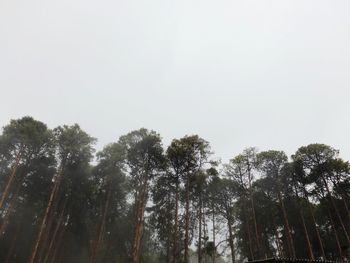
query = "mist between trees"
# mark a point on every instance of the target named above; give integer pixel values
(143, 202)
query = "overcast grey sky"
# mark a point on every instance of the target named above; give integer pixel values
(272, 74)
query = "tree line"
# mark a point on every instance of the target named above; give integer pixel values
(138, 201)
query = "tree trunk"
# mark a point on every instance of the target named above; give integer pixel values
(214, 241)
(229, 224)
(47, 210)
(10, 180)
(200, 230)
(53, 214)
(336, 211)
(175, 253)
(56, 256)
(140, 206)
(255, 225)
(286, 222)
(311, 254)
(315, 225)
(335, 233)
(58, 225)
(143, 207)
(187, 218)
(248, 232)
(137, 228)
(101, 228)
(169, 240)
(135, 245)
(253, 210)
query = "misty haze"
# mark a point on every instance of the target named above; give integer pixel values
(174, 131)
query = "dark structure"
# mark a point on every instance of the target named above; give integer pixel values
(295, 260)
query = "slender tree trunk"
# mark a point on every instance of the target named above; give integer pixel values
(10, 180)
(214, 241)
(336, 211)
(286, 222)
(200, 230)
(187, 218)
(140, 205)
(249, 235)
(44, 233)
(253, 210)
(335, 233)
(58, 226)
(175, 252)
(230, 232)
(315, 225)
(143, 207)
(311, 254)
(135, 245)
(47, 235)
(47, 211)
(169, 239)
(255, 224)
(57, 254)
(101, 228)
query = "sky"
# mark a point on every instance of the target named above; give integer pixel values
(271, 74)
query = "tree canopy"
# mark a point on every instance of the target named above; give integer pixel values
(137, 200)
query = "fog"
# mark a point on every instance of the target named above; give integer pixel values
(270, 74)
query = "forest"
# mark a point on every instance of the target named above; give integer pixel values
(137, 200)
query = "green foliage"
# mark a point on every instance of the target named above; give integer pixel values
(237, 210)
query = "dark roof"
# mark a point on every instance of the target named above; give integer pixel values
(293, 260)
